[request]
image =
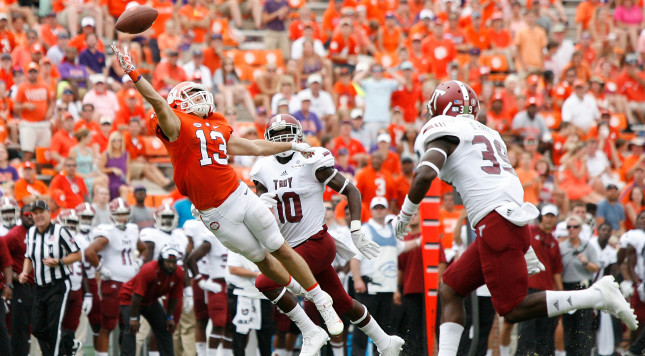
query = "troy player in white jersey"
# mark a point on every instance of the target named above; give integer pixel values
(472, 157)
(115, 244)
(76, 302)
(86, 215)
(9, 214)
(196, 232)
(216, 294)
(292, 185)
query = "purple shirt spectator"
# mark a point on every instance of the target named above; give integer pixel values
(276, 24)
(71, 71)
(311, 124)
(8, 174)
(93, 61)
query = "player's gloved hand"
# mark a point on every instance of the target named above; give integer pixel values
(188, 300)
(269, 199)
(195, 213)
(533, 264)
(86, 307)
(368, 248)
(106, 274)
(627, 288)
(400, 225)
(138, 262)
(210, 286)
(302, 147)
(124, 58)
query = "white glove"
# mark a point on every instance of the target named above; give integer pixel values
(302, 147)
(210, 286)
(641, 292)
(533, 264)
(368, 248)
(106, 274)
(269, 199)
(627, 289)
(194, 212)
(87, 303)
(189, 303)
(124, 58)
(138, 262)
(400, 225)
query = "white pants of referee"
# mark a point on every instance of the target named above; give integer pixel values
(47, 316)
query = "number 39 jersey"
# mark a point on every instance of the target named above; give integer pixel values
(300, 208)
(478, 168)
(117, 256)
(199, 156)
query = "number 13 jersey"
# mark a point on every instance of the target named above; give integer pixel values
(478, 168)
(300, 210)
(199, 157)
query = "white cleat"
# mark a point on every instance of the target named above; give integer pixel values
(613, 301)
(332, 320)
(395, 347)
(313, 341)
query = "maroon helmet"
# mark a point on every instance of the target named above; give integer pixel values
(86, 214)
(120, 212)
(283, 122)
(453, 98)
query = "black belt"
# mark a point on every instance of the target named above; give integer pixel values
(50, 284)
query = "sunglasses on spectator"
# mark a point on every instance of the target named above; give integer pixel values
(27, 213)
(329, 208)
(573, 227)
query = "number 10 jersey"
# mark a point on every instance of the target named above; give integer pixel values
(300, 210)
(478, 168)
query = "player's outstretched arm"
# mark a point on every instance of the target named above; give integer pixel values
(336, 181)
(238, 146)
(428, 169)
(168, 121)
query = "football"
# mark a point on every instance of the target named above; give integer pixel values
(136, 19)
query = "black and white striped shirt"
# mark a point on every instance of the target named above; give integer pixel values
(57, 243)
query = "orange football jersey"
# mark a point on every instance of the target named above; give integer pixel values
(199, 156)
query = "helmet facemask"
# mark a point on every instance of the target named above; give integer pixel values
(120, 219)
(85, 223)
(9, 216)
(192, 98)
(284, 132)
(166, 222)
(71, 224)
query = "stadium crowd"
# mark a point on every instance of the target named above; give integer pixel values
(567, 94)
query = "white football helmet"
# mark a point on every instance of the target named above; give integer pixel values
(120, 212)
(283, 122)
(166, 218)
(192, 98)
(69, 220)
(9, 212)
(86, 214)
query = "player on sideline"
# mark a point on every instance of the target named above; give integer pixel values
(199, 141)
(473, 158)
(293, 185)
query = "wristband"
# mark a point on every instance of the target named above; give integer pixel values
(134, 318)
(409, 208)
(135, 76)
(355, 225)
(88, 295)
(169, 317)
(9, 285)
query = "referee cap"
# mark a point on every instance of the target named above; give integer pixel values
(40, 204)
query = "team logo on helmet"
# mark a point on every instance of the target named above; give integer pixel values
(453, 98)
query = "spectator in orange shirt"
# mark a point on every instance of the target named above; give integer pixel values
(29, 189)
(632, 86)
(214, 53)
(456, 35)
(87, 120)
(529, 178)
(34, 104)
(169, 39)
(7, 39)
(62, 141)
(439, 50)
(408, 96)
(416, 56)
(344, 92)
(194, 18)
(131, 111)
(404, 181)
(477, 33)
(578, 63)
(497, 117)
(298, 25)
(100, 140)
(372, 182)
(357, 155)
(584, 14)
(500, 37)
(530, 42)
(168, 74)
(389, 36)
(392, 162)
(330, 19)
(424, 26)
(67, 188)
(138, 166)
(21, 55)
(343, 47)
(88, 25)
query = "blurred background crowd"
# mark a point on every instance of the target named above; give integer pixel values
(562, 82)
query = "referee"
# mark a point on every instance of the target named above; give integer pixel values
(50, 251)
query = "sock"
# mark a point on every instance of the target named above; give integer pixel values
(101, 353)
(200, 347)
(316, 295)
(560, 353)
(489, 352)
(212, 351)
(503, 350)
(378, 336)
(227, 352)
(294, 287)
(301, 319)
(449, 336)
(279, 352)
(337, 349)
(153, 353)
(560, 302)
